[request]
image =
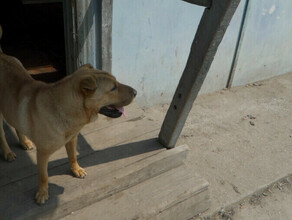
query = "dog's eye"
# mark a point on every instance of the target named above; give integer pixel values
(114, 88)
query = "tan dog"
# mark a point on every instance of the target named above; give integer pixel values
(52, 115)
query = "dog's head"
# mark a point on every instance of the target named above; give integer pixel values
(102, 92)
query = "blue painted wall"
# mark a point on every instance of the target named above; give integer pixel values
(151, 42)
(152, 38)
(266, 48)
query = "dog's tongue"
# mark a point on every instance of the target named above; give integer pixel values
(122, 110)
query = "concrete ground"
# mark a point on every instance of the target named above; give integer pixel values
(241, 142)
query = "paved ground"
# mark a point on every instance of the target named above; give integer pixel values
(241, 142)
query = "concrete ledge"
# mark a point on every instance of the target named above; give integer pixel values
(69, 194)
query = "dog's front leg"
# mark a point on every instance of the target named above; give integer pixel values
(42, 161)
(24, 141)
(71, 147)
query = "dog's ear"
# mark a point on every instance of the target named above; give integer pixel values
(88, 85)
(86, 66)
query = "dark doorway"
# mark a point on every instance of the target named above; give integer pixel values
(34, 33)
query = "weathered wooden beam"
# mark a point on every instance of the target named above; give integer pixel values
(210, 33)
(69, 14)
(106, 34)
(205, 3)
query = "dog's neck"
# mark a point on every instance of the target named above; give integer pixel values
(67, 107)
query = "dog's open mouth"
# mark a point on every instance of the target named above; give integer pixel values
(112, 111)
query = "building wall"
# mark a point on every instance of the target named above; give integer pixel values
(266, 48)
(151, 41)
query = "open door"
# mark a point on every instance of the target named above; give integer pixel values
(34, 33)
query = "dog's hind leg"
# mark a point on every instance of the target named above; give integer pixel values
(43, 193)
(24, 141)
(8, 154)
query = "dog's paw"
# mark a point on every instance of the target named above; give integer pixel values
(42, 196)
(79, 172)
(27, 145)
(10, 156)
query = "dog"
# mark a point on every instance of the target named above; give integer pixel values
(50, 116)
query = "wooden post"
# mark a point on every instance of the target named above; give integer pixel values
(211, 30)
(106, 34)
(205, 3)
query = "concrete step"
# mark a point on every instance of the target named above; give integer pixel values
(109, 172)
(177, 194)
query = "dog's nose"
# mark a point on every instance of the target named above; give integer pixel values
(134, 92)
